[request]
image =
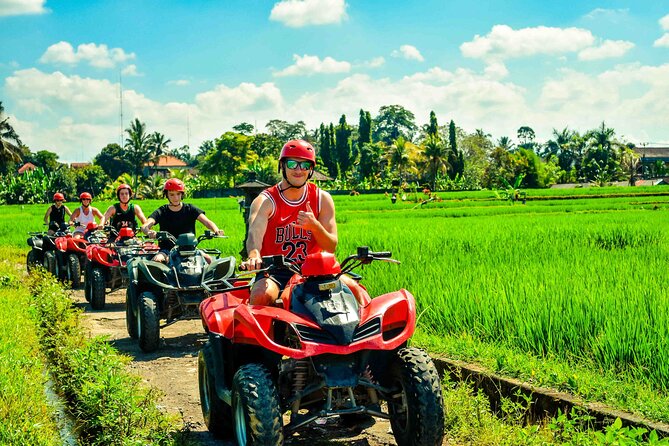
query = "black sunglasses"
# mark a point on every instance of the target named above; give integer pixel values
(304, 165)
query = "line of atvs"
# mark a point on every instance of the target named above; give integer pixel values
(265, 372)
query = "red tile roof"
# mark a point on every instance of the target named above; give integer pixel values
(167, 161)
(27, 166)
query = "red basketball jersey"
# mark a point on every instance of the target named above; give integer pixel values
(281, 236)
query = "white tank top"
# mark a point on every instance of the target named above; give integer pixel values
(84, 219)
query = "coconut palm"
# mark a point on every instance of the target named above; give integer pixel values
(138, 147)
(398, 155)
(159, 144)
(505, 143)
(10, 143)
(436, 153)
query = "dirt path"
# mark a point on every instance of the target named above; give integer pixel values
(173, 370)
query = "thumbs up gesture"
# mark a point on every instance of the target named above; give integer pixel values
(306, 219)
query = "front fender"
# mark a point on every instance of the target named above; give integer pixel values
(153, 273)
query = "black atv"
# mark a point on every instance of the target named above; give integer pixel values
(43, 250)
(157, 292)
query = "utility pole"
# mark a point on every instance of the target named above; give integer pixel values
(120, 114)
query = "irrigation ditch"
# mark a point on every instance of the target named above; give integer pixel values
(546, 403)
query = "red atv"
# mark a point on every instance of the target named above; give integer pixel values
(71, 256)
(320, 354)
(107, 260)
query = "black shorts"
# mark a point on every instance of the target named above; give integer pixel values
(280, 277)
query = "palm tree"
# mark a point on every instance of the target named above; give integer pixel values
(138, 148)
(505, 143)
(159, 144)
(602, 136)
(398, 155)
(10, 143)
(630, 163)
(437, 154)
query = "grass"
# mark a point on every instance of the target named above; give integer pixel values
(25, 415)
(565, 291)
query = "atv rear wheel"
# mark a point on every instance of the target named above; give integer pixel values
(31, 260)
(148, 322)
(255, 407)
(88, 282)
(217, 415)
(97, 290)
(416, 409)
(130, 311)
(74, 270)
(50, 262)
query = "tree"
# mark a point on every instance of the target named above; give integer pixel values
(437, 155)
(371, 155)
(327, 151)
(343, 145)
(392, 122)
(44, 158)
(284, 131)
(112, 161)
(433, 127)
(91, 179)
(456, 159)
(244, 128)
(398, 155)
(630, 163)
(138, 150)
(525, 135)
(159, 144)
(266, 146)
(229, 157)
(364, 132)
(601, 136)
(182, 153)
(10, 143)
(505, 143)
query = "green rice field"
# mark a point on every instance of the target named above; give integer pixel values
(564, 276)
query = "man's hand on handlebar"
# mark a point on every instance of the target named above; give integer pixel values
(251, 264)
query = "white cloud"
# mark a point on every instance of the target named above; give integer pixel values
(99, 56)
(503, 42)
(309, 65)
(179, 82)
(21, 7)
(608, 49)
(610, 15)
(408, 52)
(300, 13)
(664, 22)
(130, 70)
(662, 41)
(375, 62)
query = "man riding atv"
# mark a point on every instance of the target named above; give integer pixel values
(123, 214)
(293, 218)
(176, 217)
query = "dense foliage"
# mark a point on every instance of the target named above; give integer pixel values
(385, 151)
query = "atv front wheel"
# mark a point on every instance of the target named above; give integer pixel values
(217, 415)
(130, 312)
(87, 282)
(148, 322)
(74, 270)
(50, 262)
(97, 289)
(416, 408)
(255, 407)
(31, 260)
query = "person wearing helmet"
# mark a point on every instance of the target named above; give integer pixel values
(55, 214)
(123, 214)
(293, 218)
(84, 215)
(175, 217)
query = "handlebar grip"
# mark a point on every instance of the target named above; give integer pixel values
(381, 254)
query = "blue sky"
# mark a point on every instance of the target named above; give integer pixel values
(193, 69)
